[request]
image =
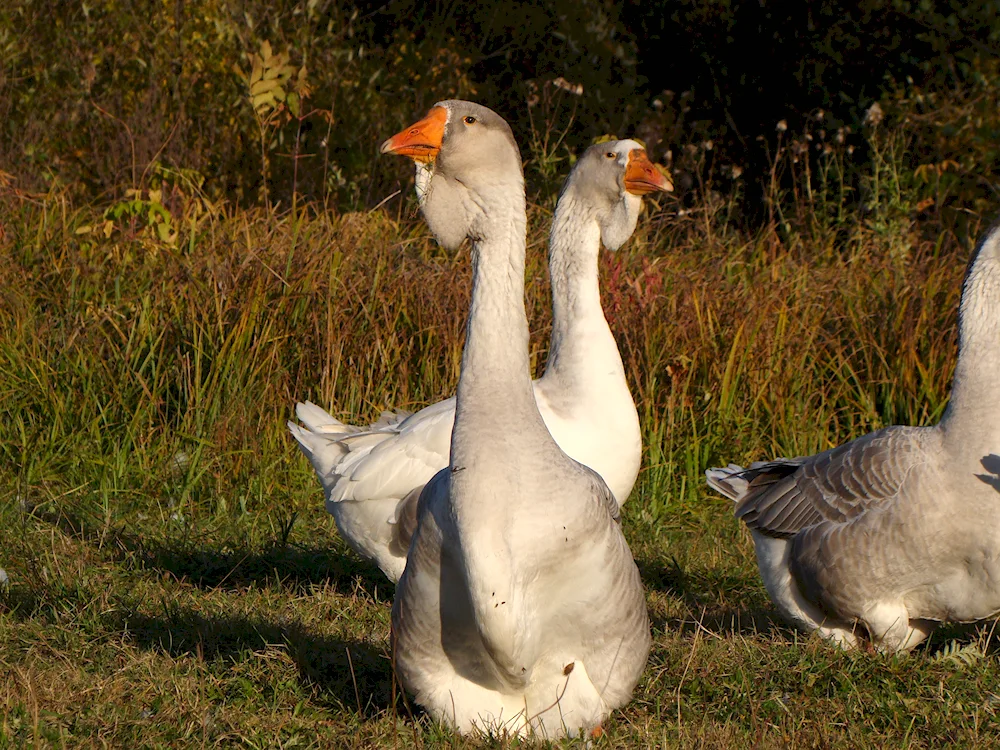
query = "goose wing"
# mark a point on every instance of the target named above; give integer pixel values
(785, 496)
(396, 458)
(602, 493)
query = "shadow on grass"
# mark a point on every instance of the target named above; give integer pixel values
(357, 677)
(696, 587)
(700, 591)
(964, 633)
(727, 623)
(292, 565)
(237, 565)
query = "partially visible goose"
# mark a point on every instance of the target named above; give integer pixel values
(520, 609)
(900, 529)
(372, 477)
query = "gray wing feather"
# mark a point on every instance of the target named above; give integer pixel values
(784, 497)
(608, 500)
(602, 493)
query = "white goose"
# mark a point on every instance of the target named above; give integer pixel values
(520, 609)
(900, 529)
(373, 476)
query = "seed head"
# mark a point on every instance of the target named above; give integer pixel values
(874, 115)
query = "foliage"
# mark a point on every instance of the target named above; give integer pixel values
(955, 136)
(97, 96)
(277, 101)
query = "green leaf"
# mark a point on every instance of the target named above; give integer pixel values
(262, 87)
(263, 103)
(257, 71)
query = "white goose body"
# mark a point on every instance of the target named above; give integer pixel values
(520, 609)
(900, 529)
(372, 477)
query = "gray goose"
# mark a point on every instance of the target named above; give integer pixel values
(898, 530)
(520, 610)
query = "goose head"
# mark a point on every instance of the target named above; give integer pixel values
(467, 164)
(611, 178)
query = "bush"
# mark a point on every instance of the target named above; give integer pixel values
(116, 95)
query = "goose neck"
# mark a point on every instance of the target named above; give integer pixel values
(974, 407)
(579, 327)
(495, 381)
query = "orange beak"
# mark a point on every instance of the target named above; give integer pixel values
(422, 140)
(642, 176)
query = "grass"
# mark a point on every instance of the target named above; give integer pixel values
(175, 581)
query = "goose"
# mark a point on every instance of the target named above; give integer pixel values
(520, 610)
(372, 476)
(896, 531)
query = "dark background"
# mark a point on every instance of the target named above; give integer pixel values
(117, 94)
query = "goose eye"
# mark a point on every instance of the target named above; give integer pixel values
(611, 155)
(469, 120)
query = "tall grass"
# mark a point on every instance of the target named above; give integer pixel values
(122, 354)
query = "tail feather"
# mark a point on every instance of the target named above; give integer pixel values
(325, 452)
(367, 439)
(728, 482)
(320, 421)
(734, 481)
(390, 419)
(360, 493)
(334, 448)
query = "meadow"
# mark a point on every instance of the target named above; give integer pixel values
(172, 579)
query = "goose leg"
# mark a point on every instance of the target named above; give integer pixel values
(773, 561)
(842, 636)
(920, 630)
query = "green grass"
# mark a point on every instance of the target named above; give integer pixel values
(174, 580)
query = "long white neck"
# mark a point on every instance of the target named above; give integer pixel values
(494, 388)
(973, 413)
(581, 337)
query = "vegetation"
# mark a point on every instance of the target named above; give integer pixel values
(182, 258)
